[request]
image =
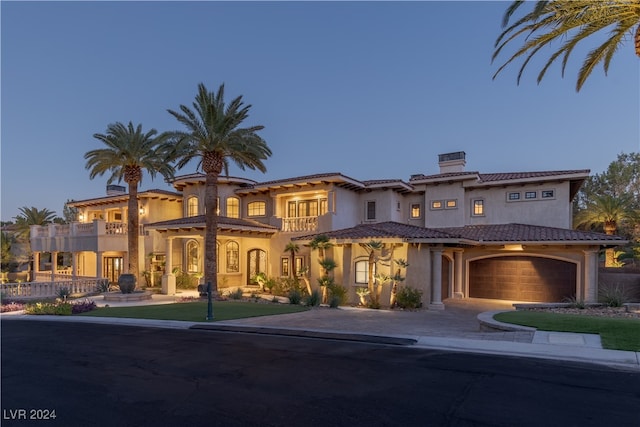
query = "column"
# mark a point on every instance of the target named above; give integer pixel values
(54, 265)
(436, 280)
(457, 274)
(99, 270)
(74, 265)
(590, 276)
(168, 278)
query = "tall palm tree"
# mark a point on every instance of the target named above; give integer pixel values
(570, 21)
(32, 216)
(609, 213)
(214, 136)
(129, 151)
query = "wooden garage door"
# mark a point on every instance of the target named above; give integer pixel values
(522, 278)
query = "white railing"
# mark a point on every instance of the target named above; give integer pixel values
(303, 223)
(51, 289)
(45, 276)
(115, 228)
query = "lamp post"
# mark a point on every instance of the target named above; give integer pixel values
(209, 303)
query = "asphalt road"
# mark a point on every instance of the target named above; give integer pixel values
(104, 375)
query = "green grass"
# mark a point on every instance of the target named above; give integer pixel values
(615, 333)
(196, 311)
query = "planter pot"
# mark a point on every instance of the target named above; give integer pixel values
(127, 283)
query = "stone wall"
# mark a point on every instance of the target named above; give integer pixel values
(629, 281)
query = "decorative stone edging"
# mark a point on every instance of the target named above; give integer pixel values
(488, 323)
(120, 297)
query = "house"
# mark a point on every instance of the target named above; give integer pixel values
(463, 233)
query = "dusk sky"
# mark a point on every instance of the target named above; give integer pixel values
(374, 90)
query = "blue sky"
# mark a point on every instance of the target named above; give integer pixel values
(370, 89)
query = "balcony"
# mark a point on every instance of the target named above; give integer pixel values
(303, 223)
(95, 236)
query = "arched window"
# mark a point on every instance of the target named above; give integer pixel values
(256, 263)
(233, 257)
(233, 207)
(192, 206)
(257, 209)
(193, 256)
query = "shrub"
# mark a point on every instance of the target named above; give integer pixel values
(11, 306)
(408, 297)
(83, 306)
(613, 296)
(574, 302)
(63, 293)
(335, 301)
(103, 286)
(313, 300)
(185, 280)
(295, 296)
(339, 293)
(55, 308)
(237, 294)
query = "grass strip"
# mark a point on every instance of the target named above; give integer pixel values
(615, 333)
(196, 311)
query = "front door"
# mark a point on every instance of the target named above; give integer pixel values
(113, 268)
(256, 263)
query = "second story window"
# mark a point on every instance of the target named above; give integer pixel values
(415, 210)
(233, 207)
(192, 206)
(478, 207)
(257, 209)
(370, 213)
(513, 196)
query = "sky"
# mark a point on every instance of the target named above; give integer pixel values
(373, 90)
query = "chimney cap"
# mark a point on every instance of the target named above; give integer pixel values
(457, 155)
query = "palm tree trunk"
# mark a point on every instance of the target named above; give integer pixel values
(132, 229)
(637, 39)
(211, 232)
(609, 255)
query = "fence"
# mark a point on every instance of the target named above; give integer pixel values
(51, 289)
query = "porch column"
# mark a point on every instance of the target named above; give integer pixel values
(168, 278)
(436, 280)
(36, 266)
(457, 274)
(74, 265)
(54, 265)
(99, 270)
(590, 276)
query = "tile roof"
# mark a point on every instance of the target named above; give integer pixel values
(419, 177)
(527, 233)
(504, 176)
(381, 230)
(223, 222)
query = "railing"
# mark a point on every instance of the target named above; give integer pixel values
(45, 276)
(51, 289)
(115, 228)
(303, 223)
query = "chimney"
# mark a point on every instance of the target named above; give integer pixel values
(452, 162)
(116, 190)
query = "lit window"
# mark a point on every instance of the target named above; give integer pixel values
(451, 204)
(371, 211)
(192, 206)
(547, 194)
(478, 207)
(530, 195)
(257, 209)
(233, 207)
(436, 204)
(192, 256)
(233, 257)
(513, 196)
(415, 210)
(362, 271)
(284, 266)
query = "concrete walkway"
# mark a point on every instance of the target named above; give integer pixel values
(457, 328)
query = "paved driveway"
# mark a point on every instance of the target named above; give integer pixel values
(459, 320)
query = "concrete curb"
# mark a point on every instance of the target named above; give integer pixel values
(488, 323)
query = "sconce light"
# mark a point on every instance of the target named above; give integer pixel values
(80, 217)
(515, 247)
(141, 210)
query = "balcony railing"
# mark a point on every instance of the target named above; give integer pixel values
(303, 223)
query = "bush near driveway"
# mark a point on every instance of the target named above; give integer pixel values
(615, 333)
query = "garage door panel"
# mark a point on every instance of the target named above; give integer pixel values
(522, 278)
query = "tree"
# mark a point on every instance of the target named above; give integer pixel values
(130, 151)
(398, 277)
(293, 249)
(570, 21)
(321, 243)
(213, 136)
(6, 241)
(32, 216)
(372, 248)
(607, 212)
(69, 214)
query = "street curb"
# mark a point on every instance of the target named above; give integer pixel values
(488, 323)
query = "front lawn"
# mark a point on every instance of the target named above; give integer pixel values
(615, 333)
(196, 311)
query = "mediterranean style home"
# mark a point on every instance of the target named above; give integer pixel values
(463, 234)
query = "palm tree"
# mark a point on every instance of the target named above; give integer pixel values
(570, 21)
(129, 151)
(609, 213)
(214, 136)
(32, 216)
(293, 249)
(372, 248)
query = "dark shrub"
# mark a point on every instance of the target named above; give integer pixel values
(83, 306)
(408, 297)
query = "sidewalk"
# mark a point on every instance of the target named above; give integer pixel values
(457, 328)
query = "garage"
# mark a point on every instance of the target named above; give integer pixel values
(522, 278)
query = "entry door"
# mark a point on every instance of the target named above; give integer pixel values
(256, 263)
(113, 268)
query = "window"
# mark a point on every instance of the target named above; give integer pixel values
(284, 266)
(547, 194)
(530, 195)
(415, 210)
(192, 256)
(436, 204)
(233, 257)
(233, 207)
(192, 206)
(362, 271)
(306, 208)
(513, 196)
(257, 209)
(371, 211)
(478, 207)
(299, 265)
(452, 204)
